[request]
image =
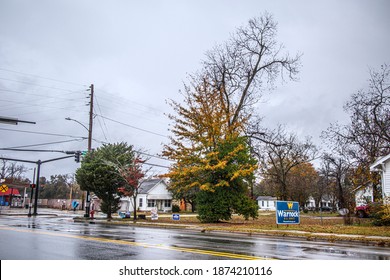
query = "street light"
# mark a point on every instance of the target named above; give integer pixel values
(69, 119)
(89, 149)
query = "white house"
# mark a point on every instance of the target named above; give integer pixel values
(364, 195)
(327, 203)
(382, 165)
(266, 203)
(152, 193)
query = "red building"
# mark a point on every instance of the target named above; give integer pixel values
(12, 195)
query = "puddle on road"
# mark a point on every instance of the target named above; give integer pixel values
(343, 253)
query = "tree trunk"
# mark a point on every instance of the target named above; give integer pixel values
(135, 208)
(341, 194)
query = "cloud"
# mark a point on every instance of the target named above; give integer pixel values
(137, 54)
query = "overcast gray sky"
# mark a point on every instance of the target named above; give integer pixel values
(138, 54)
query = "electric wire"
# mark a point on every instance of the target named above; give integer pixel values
(42, 144)
(30, 150)
(41, 77)
(100, 116)
(101, 128)
(42, 95)
(134, 127)
(38, 85)
(43, 133)
(104, 122)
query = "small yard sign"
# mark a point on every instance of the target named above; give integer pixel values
(287, 212)
(176, 217)
(154, 213)
(74, 204)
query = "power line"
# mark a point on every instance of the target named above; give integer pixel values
(156, 165)
(127, 113)
(67, 152)
(43, 133)
(128, 125)
(28, 102)
(104, 122)
(34, 84)
(30, 150)
(149, 155)
(41, 77)
(41, 144)
(43, 95)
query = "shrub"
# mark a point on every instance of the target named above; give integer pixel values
(380, 214)
(222, 203)
(175, 208)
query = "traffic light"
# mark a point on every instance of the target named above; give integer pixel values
(32, 186)
(77, 156)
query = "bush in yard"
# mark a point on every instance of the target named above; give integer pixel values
(175, 208)
(220, 204)
(380, 214)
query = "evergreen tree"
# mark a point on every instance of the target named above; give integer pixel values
(103, 179)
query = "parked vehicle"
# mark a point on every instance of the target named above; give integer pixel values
(362, 211)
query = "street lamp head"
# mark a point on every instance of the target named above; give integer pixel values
(70, 119)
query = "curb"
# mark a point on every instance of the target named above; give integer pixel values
(382, 241)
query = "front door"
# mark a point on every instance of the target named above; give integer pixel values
(159, 205)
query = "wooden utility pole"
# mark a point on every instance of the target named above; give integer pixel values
(88, 198)
(90, 120)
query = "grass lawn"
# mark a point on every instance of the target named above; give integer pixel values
(309, 223)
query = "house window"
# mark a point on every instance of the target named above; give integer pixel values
(140, 202)
(262, 203)
(151, 203)
(167, 203)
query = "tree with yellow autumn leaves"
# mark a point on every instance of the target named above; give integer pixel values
(213, 161)
(212, 126)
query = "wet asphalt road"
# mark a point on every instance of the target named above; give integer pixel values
(59, 238)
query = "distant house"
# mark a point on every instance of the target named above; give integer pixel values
(327, 203)
(11, 197)
(266, 203)
(382, 165)
(152, 193)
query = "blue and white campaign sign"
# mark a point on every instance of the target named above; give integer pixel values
(75, 204)
(176, 217)
(287, 212)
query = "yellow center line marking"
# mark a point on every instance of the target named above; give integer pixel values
(140, 244)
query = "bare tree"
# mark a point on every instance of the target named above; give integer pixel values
(367, 135)
(12, 170)
(339, 168)
(282, 152)
(248, 64)
(323, 186)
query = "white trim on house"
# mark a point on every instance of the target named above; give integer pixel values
(382, 165)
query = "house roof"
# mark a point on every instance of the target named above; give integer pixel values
(147, 185)
(10, 191)
(266, 198)
(378, 163)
